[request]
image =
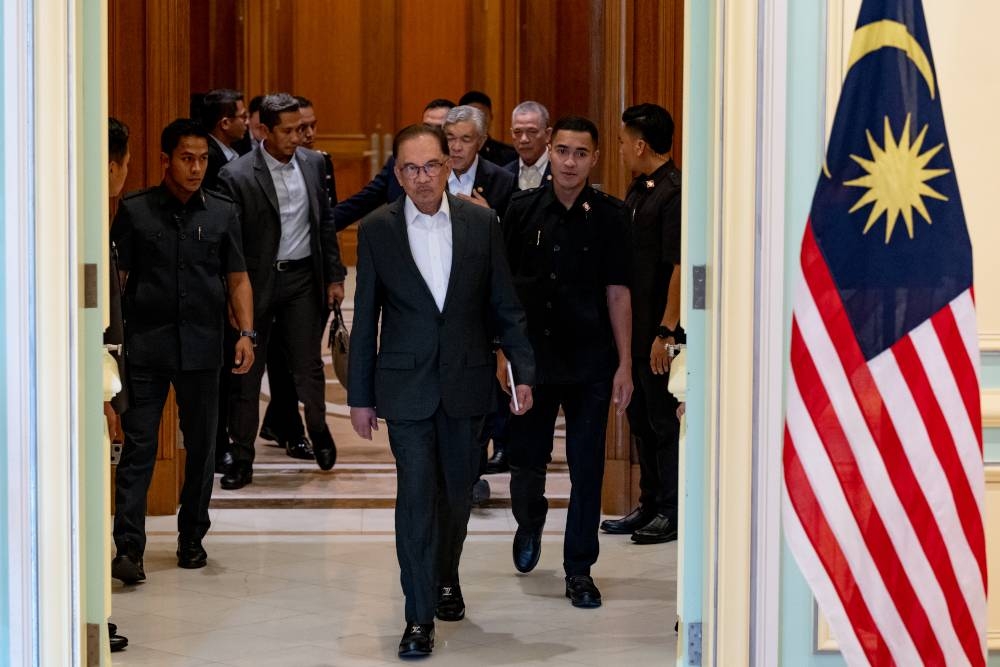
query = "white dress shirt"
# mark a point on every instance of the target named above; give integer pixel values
(430, 244)
(293, 204)
(462, 185)
(530, 176)
(227, 152)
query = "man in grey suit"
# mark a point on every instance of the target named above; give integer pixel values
(290, 245)
(433, 267)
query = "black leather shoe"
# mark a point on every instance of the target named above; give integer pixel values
(450, 603)
(324, 448)
(497, 463)
(239, 475)
(660, 529)
(299, 448)
(527, 549)
(629, 523)
(190, 554)
(118, 643)
(268, 433)
(223, 462)
(417, 641)
(480, 492)
(127, 567)
(582, 592)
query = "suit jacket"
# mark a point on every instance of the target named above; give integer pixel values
(515, 168)
(382, 189)
(495, 184)
(497, 152)
(248, 182)
(426, 357)
(216, 161)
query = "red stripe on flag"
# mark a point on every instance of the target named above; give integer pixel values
(944, 446)
(866, 393)
(866, 515)
(962, 367)
(824, 542)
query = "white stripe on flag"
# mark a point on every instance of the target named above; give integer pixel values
(830, 496)
(948, 396)
(964, 310)
(819, 581)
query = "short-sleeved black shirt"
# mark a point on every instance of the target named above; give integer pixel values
(176, 256)
(562, 261)
(655, 204)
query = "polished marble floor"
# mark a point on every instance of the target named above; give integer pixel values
(318, 587)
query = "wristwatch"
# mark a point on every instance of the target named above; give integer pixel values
(249, 333)
(664, 332)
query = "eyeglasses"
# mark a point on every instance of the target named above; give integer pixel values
(432, 169)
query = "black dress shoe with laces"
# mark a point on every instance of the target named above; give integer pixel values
(239, 475)
(118, 642)
(527, 549)
(299, 448)
(497, 463)
(268, 433)
(582, 592)
(450, 603)
(629, 523)
(223, 462)
(324, 448)
(660, 529)
(190, 554)
(417, 641)
(127, 567)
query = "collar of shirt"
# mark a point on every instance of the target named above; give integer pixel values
(539, 165)
(642, 181)
(414, 217)
(584, 201)
(169, 201)
(273, 164)
(228, 152)
(462, 185)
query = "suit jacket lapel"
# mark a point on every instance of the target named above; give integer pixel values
(263, 175)
(459, 238)
(399, 225)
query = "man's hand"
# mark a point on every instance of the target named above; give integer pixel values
(114, 423)
(502, 372)
(476, 199)
(524, 399)
(364, 422)
(659, 360)
(621, 392)
(244, 356)
(680, 410)
(334, 294)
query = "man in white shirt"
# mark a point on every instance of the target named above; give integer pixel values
(529, 127)
(431, 267)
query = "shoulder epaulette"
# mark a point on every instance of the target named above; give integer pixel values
(524, 194)
(610, 199)
(137, 193)
(675, 177)
(220, 196)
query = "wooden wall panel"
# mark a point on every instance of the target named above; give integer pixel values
(537, 53)
(216, 45)
(433, 53)
(380, 55)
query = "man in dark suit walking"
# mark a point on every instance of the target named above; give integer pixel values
(290, 245)
(432, 267)
(225, 118)
(473, 178)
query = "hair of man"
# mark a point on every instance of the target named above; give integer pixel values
(653, 124)
(217, 105)
(176, 130)
(117, 140)
(575, 124)
(416, 130)
(530, 106)
(272, 106)
(255, 102)
(476, 97)
(465, 113)
(304, 102)
(440, 103)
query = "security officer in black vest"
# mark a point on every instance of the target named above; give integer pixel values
(568, 252)
(179, 257)
(654, 198)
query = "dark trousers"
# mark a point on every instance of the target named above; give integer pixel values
(652, 417)
(296, 317)
(225, 392)
(197, 401)
(530, 451)
(437, 462)
(282, 414)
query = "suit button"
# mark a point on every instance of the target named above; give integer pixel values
(555, 248)
(548, 304)
(552, 276)
(183, 294)
(183, 236)
(547, 332)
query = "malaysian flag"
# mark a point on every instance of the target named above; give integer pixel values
(883, 465)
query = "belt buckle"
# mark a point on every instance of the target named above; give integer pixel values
(282, 265)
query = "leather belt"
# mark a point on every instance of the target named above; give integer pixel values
(283, 265)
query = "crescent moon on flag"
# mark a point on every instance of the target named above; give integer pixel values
(890, 34)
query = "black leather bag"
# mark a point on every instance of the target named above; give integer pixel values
(339, 342)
